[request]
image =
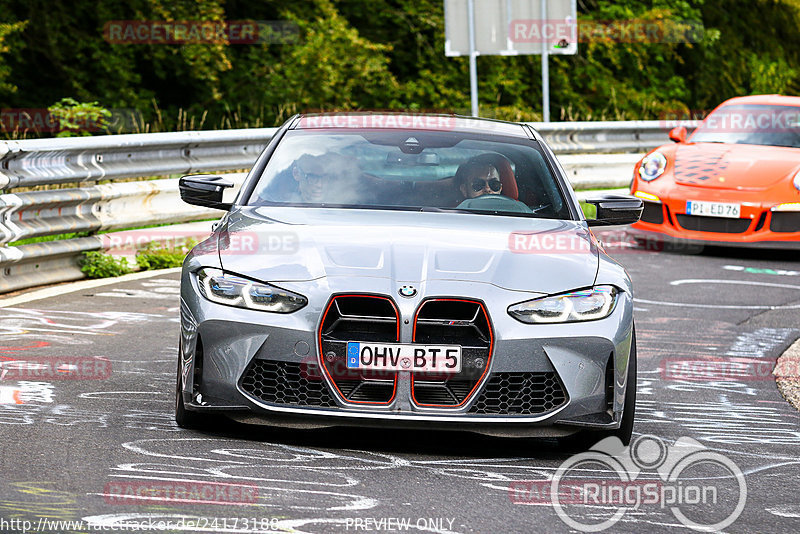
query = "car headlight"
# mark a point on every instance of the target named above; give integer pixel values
(796, 181)
(789, 206)
(652, 166)
(225, 288)
(584, 305)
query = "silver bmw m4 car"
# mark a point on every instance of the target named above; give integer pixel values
(407, 271)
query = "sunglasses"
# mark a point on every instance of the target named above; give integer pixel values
(494, 184)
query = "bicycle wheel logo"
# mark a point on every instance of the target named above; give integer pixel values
(703, 489)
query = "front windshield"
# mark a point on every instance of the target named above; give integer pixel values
(411, 170)
(752, 125)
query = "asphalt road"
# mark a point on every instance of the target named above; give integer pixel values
(72, 447)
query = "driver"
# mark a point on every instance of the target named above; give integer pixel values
(478, 180)
(478, 177)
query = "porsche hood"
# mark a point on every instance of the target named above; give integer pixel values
(724, 166)
(522, 254)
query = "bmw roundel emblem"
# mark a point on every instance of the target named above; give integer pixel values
(408, 291)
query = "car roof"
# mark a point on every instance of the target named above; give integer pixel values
(764, 99)
(409, 121)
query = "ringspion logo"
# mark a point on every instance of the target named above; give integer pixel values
(592, 491)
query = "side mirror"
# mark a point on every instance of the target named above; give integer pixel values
(678, 134)
(204, 190)
(616, 209)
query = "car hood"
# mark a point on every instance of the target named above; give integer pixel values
(726, 166)
(298, 244)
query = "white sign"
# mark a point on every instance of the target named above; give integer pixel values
(512, 27)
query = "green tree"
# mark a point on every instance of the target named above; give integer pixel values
(385, 54)
(79, 118)
(9, 42)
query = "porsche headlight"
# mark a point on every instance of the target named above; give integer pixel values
(796, 181)
(584, 305)
(652, 166)
(225, 288)
(789, 206)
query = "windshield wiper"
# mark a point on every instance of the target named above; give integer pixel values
(433, 209)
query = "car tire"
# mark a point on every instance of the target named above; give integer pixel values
(625, 430)
(585, 439)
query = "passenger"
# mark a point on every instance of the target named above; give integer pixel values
(328, 178)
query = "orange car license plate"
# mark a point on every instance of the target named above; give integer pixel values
(713, 209)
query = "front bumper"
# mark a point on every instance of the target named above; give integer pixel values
(221, 346)
(679, 242)
(757, 226)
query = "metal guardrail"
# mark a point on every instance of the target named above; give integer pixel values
(96, 208)
(599, 171)
(68, 160)
(90, 209)
(43, 263)
(590, 137)
(589, 151)
(35, 162)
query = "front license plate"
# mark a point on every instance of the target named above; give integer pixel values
(404, 357)
(713, 209)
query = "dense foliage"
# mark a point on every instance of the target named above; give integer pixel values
(96, 264)
(381, 54)
(158, 256)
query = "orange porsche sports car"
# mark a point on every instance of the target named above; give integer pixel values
(735, 181)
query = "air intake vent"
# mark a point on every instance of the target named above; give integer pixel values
(364, 318)
(718, 225)
(784, 222)
(653, 213)
(452, 322)
(520, 394)
(287, 383)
